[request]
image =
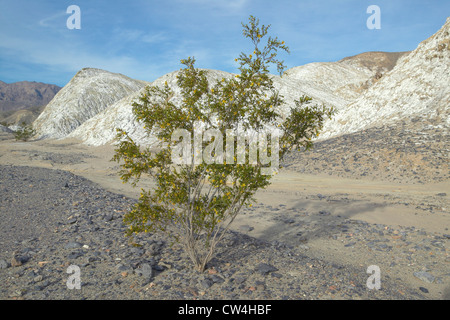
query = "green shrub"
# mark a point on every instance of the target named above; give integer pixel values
(196, 202)
(25, 132)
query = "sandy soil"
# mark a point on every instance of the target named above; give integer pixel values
(422, 206)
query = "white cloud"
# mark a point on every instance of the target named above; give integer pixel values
(52, 20)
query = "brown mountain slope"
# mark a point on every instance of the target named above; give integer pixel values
(25, 94)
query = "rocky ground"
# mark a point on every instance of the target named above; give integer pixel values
(411, 151)
(52, 219)
(306, 237)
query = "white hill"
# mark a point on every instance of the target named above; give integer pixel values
(101, 129)
(417, 86)
(89, 92)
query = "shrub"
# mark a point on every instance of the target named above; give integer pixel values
(195, 202)
(25, 132)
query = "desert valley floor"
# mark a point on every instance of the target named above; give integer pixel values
(312, 234)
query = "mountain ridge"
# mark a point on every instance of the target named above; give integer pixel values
(90, 91)
(417, 85)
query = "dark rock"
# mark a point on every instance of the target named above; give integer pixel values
(264, 268)
(206, 283)
(17, 261)
(217, 279)
(75, 255)
(276, 275)
(351, 244)
(424, 290)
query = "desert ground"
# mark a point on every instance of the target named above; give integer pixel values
(357, 222)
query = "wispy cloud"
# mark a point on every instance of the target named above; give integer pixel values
(53, 20)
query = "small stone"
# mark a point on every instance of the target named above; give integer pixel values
(260, 285)
(212, 271)
(206, 283)
(158, 268)
(16, 262)
(145, 271)
(122, 267)
(424, 290)
(75, 255)
(38, 278)
(217, 279)
(3, 264)
(72, 220)
(424, 276)
(351, 244)
(73, 245)
(264, 268)
(276, 275)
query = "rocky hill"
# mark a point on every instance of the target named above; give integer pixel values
(333, 83)
(418, 85)
(89, 92)
(101, 129)
(25, 94)
(343, 81)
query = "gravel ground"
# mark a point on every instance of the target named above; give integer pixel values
(414, 151)
(52, 219)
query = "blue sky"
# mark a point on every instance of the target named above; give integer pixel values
(146, 39)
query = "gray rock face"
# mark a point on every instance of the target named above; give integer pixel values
(89, 92)
(416, 86)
